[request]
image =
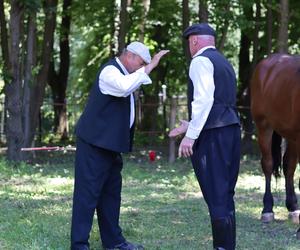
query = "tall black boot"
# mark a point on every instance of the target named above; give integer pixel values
(233, 223)
(222, 230)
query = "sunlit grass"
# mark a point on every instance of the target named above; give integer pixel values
(162, 207)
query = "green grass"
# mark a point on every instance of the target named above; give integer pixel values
(162, 207)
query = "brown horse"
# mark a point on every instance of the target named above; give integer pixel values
(275, 107)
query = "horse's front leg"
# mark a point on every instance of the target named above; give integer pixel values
(264, 140)
(267, 213)
(289, 166)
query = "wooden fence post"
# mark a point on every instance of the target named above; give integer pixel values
(2, 123)
(172, 141)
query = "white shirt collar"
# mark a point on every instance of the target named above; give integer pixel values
(122, 66)
(200, 51)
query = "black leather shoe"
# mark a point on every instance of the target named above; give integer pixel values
(126, 246)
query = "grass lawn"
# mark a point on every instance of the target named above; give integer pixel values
(162, 207)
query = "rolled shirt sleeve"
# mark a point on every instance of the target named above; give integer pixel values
(113, 82)
(201, 73)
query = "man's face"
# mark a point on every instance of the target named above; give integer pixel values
(135, 62)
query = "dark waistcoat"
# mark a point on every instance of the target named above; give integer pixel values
(105, 119)
(223, 112)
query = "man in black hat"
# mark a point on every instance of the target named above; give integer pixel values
(212, 136)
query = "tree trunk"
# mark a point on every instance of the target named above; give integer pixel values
(172, 141)
(14, 130)
(244, 93)
(6, 68)
(113, 30)
(283, 27)
(29, 78)
(146, 5)
(224, 29)
(59, 81)
(122, 26)
(243, 96)
(150, 121)
(4, 44)
(203, 11)
(255, 34)
(185, 24)
(269, 26)
(139, 91)
(38, 90)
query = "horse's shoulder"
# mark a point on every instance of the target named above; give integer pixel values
(281, 57)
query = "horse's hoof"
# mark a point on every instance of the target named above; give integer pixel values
(294, 216)
(267, 217)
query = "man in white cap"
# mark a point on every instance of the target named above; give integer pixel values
(104, 131)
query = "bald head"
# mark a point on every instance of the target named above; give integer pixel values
(197, 42)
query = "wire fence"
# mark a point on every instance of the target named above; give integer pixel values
(164, 115)
(46, 122)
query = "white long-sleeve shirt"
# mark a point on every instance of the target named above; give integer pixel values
(201, 72)
(113, 82)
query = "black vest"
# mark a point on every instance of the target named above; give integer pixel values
(223, 111)
(105, 119)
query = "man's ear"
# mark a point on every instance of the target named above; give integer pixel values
(194, 41)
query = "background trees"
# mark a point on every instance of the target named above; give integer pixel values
(53, 48)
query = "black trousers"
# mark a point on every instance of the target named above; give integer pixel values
(97, 186)
(216, 161)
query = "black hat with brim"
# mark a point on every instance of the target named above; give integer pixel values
(199, 29)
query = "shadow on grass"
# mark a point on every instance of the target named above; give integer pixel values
(162, 208)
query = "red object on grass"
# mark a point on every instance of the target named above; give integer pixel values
(152, 155)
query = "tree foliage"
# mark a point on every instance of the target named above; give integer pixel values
(33, 41)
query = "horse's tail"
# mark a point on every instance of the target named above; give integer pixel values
(276, 154)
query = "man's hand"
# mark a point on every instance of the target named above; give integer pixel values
(155, 60)
(186, 147)
(179, 130)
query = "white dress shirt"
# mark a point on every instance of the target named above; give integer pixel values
(113, 82)
(201, 73)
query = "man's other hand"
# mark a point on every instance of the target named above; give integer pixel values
(181, 129)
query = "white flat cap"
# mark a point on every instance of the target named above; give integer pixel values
(141, 50)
